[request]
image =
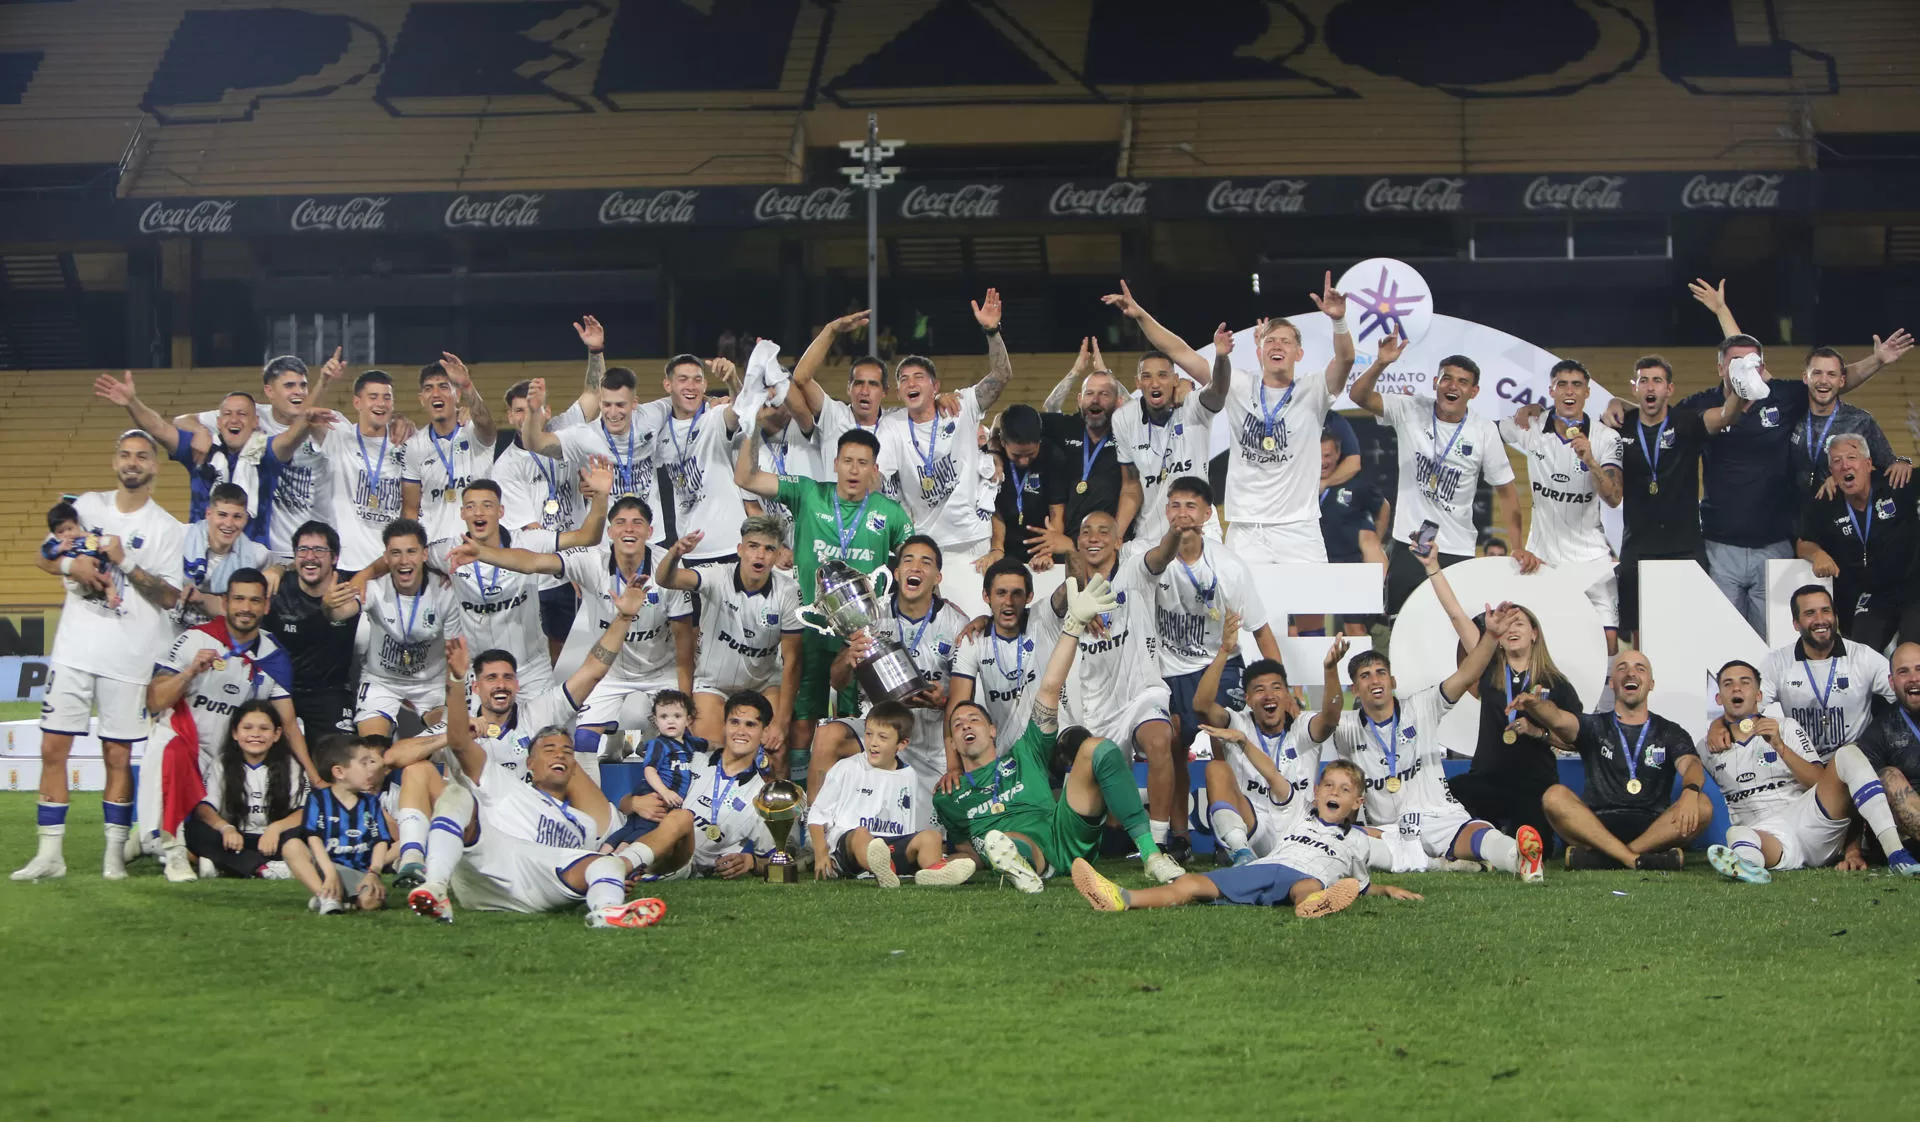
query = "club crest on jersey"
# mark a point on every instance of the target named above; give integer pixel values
(653, 596)
(1026, 644)
(1656, 756)
(1770, 756)
(1884, 509)
(906, 800)
(945, 648)
(137, 540)
(773, 619)
(1466, 448)
(876, 523)
(1344, 497)
(1409, 733)
(739, 803)
(1841, 683)
(1179, 429)
(949, 428)
(1770, 417)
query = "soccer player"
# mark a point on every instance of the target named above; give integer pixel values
(1571, 463)
(409, 612)
(345, 840)
(365, 463)
(212, 550)
(936, 460)
(996, 667)
(315, 616)
(209, 673)
(1319, 866)
(103, 652)
(614, 436)
(1824, 682)
(783, 449)
(1353, 516)
(651, 657)
(1785, 810)
(254, 791)
(1444, 452)
(1396, 742)
(1004, 808)
(1865, 538)
(1882, 769)
(1629, 816)
(1162, 435)
(827, 419)
(1263, 756)
(536, 492)
(749, 627)
(446, 454)
(696, 446)
(718, 833)
(530, 844)
(871, 815)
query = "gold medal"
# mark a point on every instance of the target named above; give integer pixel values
(1393, 784)
(926, 487)
(1633, 786)
(219, 664)
(997, 808)
(712, 832)
(1746, 725)
(1653, 487)
(1080, 488)
(92, 544)
(1213, 614)
(493, 732)
(1510, 736)
(552, 506)
(448, 496)
(1268, 443)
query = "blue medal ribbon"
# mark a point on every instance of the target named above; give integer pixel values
(933, 446)
(859, 519)
(1268, 416)
(680, 453)
(1019, 675)
(372, 475)
(1525, 681)
(1814, 446)
(446, 457)
(623, 467)
(1019, 490)
(718, 796)
(1863, 530)
(485, 588)
(1206, 594)
(900, 628)
(1090, 451)
(1392, 746)
(1821, 696)
(1433, 434)
(1650, 449)
(1633, 753)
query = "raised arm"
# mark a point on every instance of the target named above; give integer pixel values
(671, 574)
(533, 429)
(594, 337)
(1213, 397)
(1463, 625)
(1082, 605)
(1723, 415)
(475, 405)
(1331, 699)
(1362, 392)
(1885, 353)
(1714, 299)
(468, 551)
(747, 473)
(1158, 337)
(605, 649)
(999, 365)
(1455, 686)
(1206, 694)
(121, 393)
(596, 482)
(472, 757)
(1056, 401)
(1334, 304)
(804, 394)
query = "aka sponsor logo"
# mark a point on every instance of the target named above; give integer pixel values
(1438, 194)
(662, 208)
(359, 213)
(519, 210)
(208, 216)
(1275, 196)
(1115, 200)
(972, 200)
(1745, 192)
(822, 204)
(1595, 192)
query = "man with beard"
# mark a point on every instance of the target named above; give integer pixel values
(1867, 538)
(1824, 682)
(1882, 771)
(105, 648)
(1091, 473)
(995, 668)
(446, 454)
(1828, 417)
(314, 616)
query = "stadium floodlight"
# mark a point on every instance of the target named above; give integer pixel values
(870, 175)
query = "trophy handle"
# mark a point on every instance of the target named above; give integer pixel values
(816, 619)
(882, 581)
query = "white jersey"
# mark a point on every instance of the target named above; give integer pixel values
(792, 452)
(929, 641)
(1281, 483)
(500, 609)
(1294, 754)
(740, 631)
(1417, 758)
(121, 642)
(1003, 671)
(363, 490)
(528, 483)
(236, 678)
(1830, 699)
(1324, 852)
(1116, 668)
(252, 818)
(718, 799)
(519, 810)
(835, 421)
(1566, 526)
(936, 469)
(209, 572)
(407, 636)
(1755, 782)
(298, 491)
(506, 742)
(647, 657)
(1162, 453)
(1191, 602)
(857, 795)
(698, 455)
(442, 467)
(631, 453)
(1440, 488)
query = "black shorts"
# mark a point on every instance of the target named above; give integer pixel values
(1405, 573)
(844, 860)
(1628, 574)
(557, 608)
(1628, 824)
(323, 714)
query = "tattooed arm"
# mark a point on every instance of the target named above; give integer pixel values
(999, 365)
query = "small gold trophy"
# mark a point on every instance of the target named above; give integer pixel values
(780, 804)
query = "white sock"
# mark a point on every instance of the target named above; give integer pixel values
(412, 827)
(638, 855)
(1744, 841)
(114, 862)
(446, 837)
(1871, 799)
(1229, 828)
(1500, 851)
(1161, 828)
(606, 882)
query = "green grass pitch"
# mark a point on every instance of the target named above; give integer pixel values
(1686, 997)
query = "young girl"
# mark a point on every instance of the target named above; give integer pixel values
(254, 796)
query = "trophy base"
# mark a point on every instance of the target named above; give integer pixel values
(782, 872)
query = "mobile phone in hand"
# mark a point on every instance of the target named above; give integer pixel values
(1423, 538)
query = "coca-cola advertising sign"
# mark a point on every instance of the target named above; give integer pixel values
(1437, 194)
(672, 207)
(1595, 192)
(822, 204)
(360, 213)
(208, 216)
(1115, 200)
(973, 200)
(1275, 196)
(519, 210)
(1744, 192)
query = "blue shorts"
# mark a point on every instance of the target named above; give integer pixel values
(635, 829)
(557, 607)
(1267, 886)
(1180, 691)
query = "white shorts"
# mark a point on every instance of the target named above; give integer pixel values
(1271, 820)
(384, 697)
(1438, 827)
(1278, 542)
(767, 686)
(504, 874)
(72, 696)
(626, 704)
(958, 582)
(1149, 705)
(1808, 838)
(1604, 595)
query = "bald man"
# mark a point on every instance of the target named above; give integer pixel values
(1881, 768)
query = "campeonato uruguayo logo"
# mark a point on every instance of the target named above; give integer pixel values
(1386, 297)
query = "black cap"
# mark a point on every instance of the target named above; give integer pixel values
(1020, 424)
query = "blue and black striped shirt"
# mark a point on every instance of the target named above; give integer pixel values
(348, 833)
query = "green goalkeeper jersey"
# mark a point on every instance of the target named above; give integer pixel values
(863, 534)
(1014, 792)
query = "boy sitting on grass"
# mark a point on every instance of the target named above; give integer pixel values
(348, 840)
(870, 816)
(1319, 867)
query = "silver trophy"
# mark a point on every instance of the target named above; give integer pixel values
(845, 603)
